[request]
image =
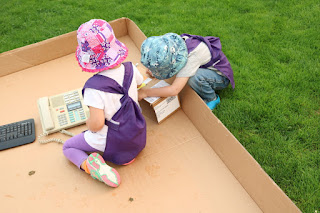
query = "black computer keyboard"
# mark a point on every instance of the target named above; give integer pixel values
(16, 134)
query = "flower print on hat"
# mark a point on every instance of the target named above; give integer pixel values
(164, 55)
(98, 49)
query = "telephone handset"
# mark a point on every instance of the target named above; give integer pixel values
(62, 111)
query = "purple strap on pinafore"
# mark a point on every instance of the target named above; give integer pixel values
(127, 129)
(218, 60)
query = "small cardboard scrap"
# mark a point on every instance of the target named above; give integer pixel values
(163, 107)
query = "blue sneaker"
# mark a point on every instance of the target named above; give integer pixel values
(214, 103)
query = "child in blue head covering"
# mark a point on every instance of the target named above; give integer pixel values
(195, 60)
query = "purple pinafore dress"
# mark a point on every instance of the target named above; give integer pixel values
(127, 129)
(218, 59)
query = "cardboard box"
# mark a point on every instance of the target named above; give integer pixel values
(191, 162)
(163, 107)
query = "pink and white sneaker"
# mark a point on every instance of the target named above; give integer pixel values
(101, 171)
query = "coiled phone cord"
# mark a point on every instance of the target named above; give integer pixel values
(58, 140)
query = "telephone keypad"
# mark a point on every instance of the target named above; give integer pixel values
(82, 115)
(75, 113)
(71, 117)
(62, 119)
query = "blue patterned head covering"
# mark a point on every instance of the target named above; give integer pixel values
(164, 55)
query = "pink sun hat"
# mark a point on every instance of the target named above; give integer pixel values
(98, 48)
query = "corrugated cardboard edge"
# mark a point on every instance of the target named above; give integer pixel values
(251, 176)
(35, 54)
(263, 190)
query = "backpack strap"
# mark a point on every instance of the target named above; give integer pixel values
(112, 124)
(213, 44)
(106, 84)
(218, 60)
(128, 75)
(103, 83)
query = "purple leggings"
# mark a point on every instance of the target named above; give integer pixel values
(75, 149)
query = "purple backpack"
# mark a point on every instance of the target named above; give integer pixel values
(127, 129)
(218, 59)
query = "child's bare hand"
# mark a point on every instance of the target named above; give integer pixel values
(142, 94)
(149, 73)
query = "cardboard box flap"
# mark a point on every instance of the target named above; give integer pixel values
(243, 166)
(35, 54)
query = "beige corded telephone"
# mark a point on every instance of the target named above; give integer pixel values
(62, 111)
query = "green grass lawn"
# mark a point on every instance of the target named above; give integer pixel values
(273, 47)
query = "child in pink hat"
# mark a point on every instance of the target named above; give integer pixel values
(116, 126)
(98, 48)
